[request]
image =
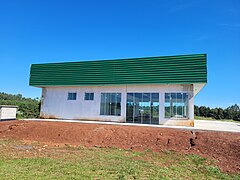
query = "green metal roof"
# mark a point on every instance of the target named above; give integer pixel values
(182, 69)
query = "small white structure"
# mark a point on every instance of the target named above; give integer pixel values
(8, 112)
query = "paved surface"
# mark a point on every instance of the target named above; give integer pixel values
(199, 124)
(217, 125)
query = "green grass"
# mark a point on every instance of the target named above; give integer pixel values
(203, 118)
(211, 119)
(101, 163)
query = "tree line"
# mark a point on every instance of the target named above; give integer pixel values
(27, 107)
(231, 112)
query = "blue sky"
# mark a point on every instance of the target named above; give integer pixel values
(73, 30)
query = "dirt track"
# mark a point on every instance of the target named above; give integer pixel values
(222, 146)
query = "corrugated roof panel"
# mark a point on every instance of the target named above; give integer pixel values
(183, 69)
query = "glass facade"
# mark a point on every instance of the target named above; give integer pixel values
(142, 108)
(176, 105)
(110, 104)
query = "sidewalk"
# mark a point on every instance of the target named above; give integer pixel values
(217, 125)
(199, 124)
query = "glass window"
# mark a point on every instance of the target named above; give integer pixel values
(176, 105)
(142, 108)
(167, 105)
(110, 104)
(89, 96)
(138, 107)
(155, 108)
(146, 108)
(72, 96)
(130, 105)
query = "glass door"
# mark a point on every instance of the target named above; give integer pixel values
(142, 108)
(146, 108)
(129, 108)
(154, 108)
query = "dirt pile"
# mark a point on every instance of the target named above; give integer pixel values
(222, 146)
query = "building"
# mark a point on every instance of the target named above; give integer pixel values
(152, 90)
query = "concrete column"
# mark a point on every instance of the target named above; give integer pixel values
(191, 108)
(42, 102)
(161, 107)
(123, 104)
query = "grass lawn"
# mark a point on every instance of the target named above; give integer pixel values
(203, 118)
(211, 119)
(36, 161)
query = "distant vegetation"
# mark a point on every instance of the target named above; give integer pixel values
(27, 107)
(231, 112)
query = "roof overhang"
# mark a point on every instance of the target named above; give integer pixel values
(197, 87)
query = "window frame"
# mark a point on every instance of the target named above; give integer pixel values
(185, 106)
(88, 95)
(72, 96)
(107, 109)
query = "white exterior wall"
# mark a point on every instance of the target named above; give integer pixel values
(56, 105)
(8, 113)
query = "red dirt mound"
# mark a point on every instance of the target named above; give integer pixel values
(222, 146)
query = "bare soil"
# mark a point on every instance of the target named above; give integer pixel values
(221, 146)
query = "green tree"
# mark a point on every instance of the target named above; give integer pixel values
(231, 112)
